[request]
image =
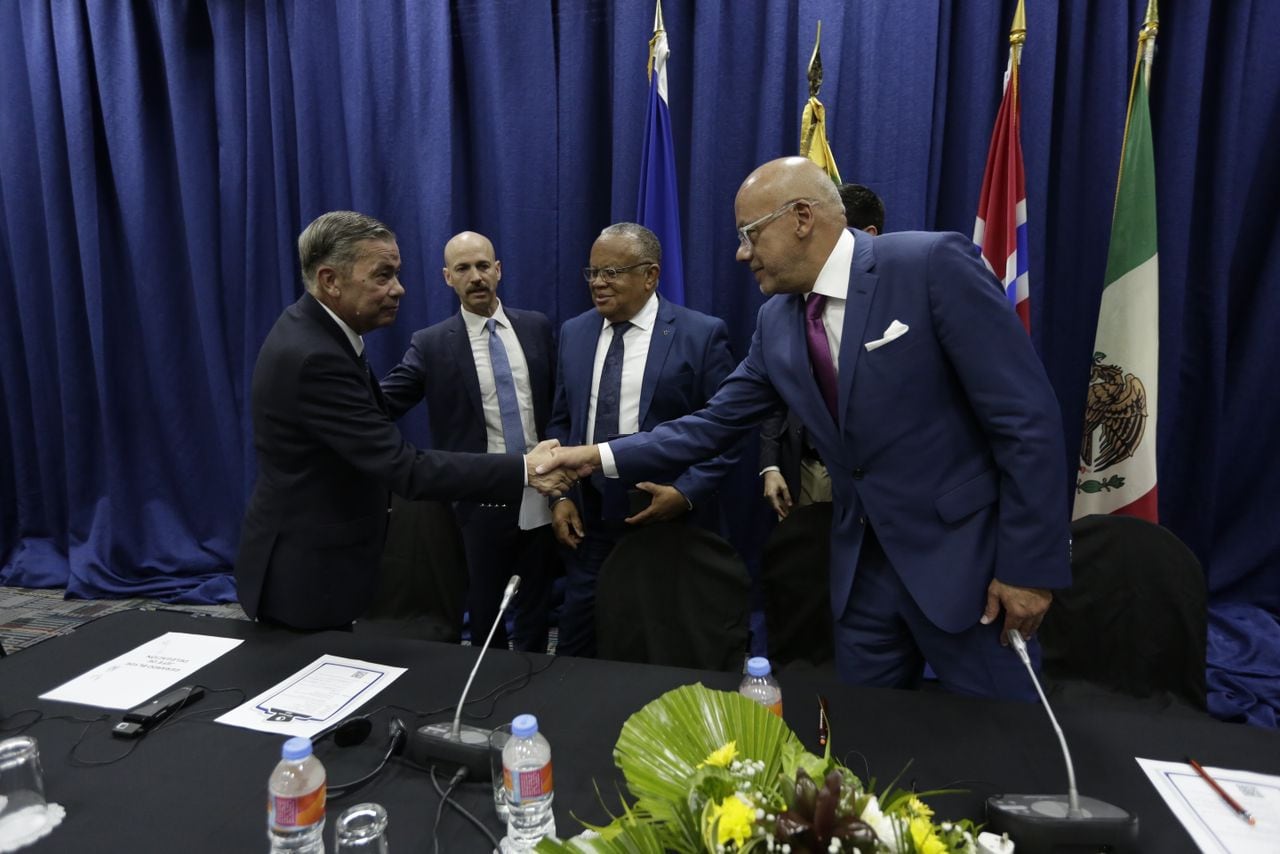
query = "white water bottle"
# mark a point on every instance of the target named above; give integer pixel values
(295, 800)
(526, 775)
(759, 685)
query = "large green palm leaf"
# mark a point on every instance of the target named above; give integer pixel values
(662, 744)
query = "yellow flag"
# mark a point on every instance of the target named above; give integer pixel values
(813, 122)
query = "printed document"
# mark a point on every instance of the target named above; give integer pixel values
(319, 695)
(131, 679)
(1211, 822)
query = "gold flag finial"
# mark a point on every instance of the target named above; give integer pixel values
(1018, 32)
(815, 65)
(1150, 25)
(658, 29)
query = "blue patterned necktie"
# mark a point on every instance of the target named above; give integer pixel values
(508, 403)
(609, 394)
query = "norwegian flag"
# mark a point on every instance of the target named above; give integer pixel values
(1001, 227)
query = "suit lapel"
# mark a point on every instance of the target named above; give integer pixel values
(313, 309)
(534, 358)
(857, 308)
(577, 374)
(464, 363)
(664, 332)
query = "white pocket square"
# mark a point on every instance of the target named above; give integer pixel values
(895, 331)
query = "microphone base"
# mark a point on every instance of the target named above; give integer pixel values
(1039, 824)
(435, 744)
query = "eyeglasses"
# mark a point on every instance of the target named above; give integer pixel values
(610, 274)
(750, 233)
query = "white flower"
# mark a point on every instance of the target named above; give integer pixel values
(884, 826)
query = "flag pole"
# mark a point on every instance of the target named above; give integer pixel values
(1141, 65)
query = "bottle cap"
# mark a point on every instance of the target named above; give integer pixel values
(296, 748)
(758, 666)
(524, 726)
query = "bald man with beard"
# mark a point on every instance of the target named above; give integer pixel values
(487, 376)
(922, 394)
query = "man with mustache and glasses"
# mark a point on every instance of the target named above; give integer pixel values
(486, 375)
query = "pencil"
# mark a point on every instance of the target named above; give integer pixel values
(1230, 801)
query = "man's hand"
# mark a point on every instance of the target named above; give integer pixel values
(566, 522)
(580, 459)
(668, 503)
(544, 475)
(1024, 608)
(775, 490)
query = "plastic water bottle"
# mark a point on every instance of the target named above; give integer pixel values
(759, 685)
(526, 774)
(295, 800)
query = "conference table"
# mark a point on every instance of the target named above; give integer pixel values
(197, 786)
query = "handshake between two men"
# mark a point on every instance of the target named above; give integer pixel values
(553, 469)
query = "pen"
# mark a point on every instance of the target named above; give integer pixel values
(1230, 801)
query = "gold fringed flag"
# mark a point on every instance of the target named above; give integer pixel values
(1117, 472)
(813, 122)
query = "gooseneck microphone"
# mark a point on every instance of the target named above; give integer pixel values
(461, 744)
(1042, 824)
(512, 586)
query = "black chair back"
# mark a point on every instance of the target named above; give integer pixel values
(673, 594)
(794, 578)
(423, 578)
(1135, 620)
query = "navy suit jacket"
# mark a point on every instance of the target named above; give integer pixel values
(440, 367)
(688, 358)
(949, 439)
(782, 444)
(328, 455)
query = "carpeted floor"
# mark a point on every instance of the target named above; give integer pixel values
(29, 616)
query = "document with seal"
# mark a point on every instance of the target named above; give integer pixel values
(320, 694)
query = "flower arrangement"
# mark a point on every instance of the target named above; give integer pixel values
(714, 772)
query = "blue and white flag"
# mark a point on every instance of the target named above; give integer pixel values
(659, 205)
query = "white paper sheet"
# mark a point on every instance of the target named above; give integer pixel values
(317, 696)
(1214, 826)
(130, 679)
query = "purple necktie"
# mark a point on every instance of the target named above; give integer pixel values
(824, 369)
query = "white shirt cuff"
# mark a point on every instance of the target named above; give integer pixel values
(607, 466)
(768, 469)
(524, 458)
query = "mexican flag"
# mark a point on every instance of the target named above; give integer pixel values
(1117, 471)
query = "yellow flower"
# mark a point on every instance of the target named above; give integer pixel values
(917, 808)
(926, 841)
(722, 757)
(736, 818)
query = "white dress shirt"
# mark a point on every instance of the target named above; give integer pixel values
(634, 356)
(534, 512)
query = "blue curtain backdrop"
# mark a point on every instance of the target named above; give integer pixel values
(157, 160)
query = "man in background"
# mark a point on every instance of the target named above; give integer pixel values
(486, 375)
(791, 467)
(627, 365)
(328, 454)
